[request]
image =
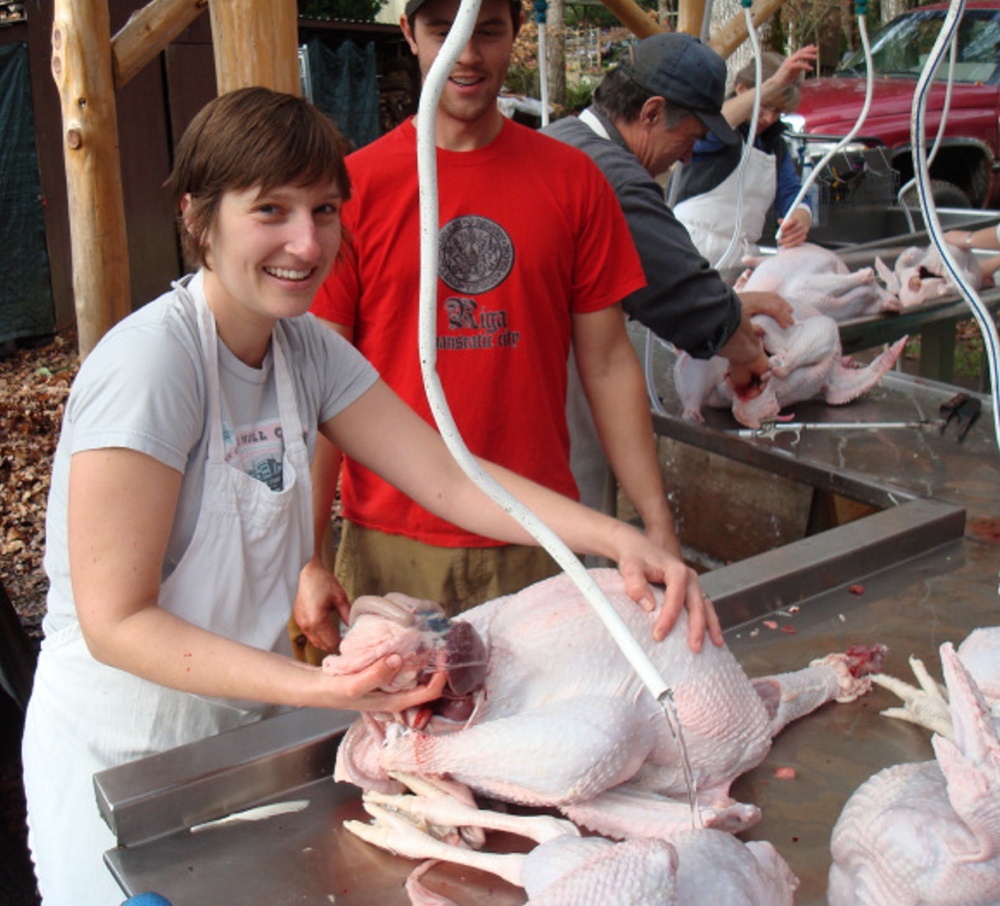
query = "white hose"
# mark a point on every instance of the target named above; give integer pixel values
(953, 53)
(647, 362)
(982, 314)
(458, 37)
(847, 139)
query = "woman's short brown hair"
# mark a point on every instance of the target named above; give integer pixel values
(246, 138)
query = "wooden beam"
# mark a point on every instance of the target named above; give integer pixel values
(256, 43)
(692, 12)
(734, 32)
(82, 68)
(148, 31)
(634, 17)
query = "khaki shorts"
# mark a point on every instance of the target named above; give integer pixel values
(373, 562)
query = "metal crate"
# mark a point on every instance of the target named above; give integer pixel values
(863, 177)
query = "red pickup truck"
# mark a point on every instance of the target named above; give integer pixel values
(966, 171)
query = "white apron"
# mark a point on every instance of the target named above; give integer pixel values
(710, 218)
(237, 578)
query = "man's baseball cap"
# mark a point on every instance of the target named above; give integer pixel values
(678, 67)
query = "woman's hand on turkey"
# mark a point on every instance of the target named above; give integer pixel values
(641, 566)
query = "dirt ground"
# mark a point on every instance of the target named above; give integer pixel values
(34, 384)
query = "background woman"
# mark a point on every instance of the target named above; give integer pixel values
(706, 198)
(987, 238)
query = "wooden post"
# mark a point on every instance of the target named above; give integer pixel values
(256, 43)
(555, 34)
(691, 17)
(82, 68)
(734, 32)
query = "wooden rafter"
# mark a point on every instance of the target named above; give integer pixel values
(734, 32)
(723, 42)
(634, 17)
(148, 31)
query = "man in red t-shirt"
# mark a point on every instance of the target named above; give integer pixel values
(535, 256)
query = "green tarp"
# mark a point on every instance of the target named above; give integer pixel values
(26, 307)
(344, 86)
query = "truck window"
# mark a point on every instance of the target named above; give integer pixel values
(902, 47)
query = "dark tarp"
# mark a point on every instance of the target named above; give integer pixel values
(26, 306)
(344, 85)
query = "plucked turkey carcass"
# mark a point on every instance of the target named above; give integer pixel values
(805, 360)
(920, 275)
(816, 281)
(927, 703)
(553, 715)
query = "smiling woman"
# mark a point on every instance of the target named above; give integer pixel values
(265, 256)
(188, 433)
(180, 511)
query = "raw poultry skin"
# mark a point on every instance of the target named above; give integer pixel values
(920, 275)
(928, 834)
(565, 869)
(927, 704)
(815, 281)
(562, 720)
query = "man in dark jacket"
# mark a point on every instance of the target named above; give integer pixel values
(646, 115)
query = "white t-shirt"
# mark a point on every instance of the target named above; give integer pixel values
(143, 388)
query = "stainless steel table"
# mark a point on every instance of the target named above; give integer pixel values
(923, 569)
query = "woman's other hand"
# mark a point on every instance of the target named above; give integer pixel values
(320, 605)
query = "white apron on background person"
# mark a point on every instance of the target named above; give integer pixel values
(710, 218)
(588, 462)
(238, 578)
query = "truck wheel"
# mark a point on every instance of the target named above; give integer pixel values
(945, 194)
